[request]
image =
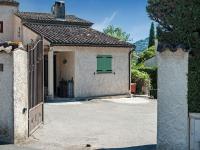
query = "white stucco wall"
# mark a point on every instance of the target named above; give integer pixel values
(7, 16)
(172, 101)
(195, 131)
(6, 98)
(89, 83)
(18, 29)
(20, 95)
(28, 36)
(65, 71)
(152, 62)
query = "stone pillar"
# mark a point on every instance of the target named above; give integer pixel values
(173, 123)
(51, 73)
(20, 94)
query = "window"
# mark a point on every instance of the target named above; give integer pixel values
(1, 67)
(1, 26)
(104, 64)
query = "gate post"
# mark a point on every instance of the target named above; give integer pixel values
(51, 73)
(172, 100)
(20, 94)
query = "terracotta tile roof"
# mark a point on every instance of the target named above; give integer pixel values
(68, 35)
(51, 19)
(9, 2)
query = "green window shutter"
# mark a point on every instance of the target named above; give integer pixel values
(99, 64)
(104, 63)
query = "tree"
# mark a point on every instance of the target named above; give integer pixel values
(152, 35)
(117, 33)
(147, 54)
(178, 20)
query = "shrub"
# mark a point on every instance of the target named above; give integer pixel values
(152, 72)
(147, 54)
(140, 78)
(194, 85)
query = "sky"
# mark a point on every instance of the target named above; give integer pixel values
(130, 15)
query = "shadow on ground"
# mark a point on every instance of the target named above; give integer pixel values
(145, 147)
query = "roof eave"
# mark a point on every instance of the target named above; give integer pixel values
(9, 3)
(91, 45)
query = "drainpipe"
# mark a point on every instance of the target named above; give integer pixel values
(129, 55)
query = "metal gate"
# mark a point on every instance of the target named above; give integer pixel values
(36, 88)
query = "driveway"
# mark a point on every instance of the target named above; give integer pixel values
(123, 123)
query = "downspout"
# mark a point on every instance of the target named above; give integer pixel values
(129, 62)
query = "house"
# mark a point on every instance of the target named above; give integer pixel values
(76, 61)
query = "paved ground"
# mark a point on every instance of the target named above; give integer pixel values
(124, 124)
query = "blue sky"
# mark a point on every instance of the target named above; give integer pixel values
(130, 15)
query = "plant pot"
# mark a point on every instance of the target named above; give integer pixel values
(133, 88)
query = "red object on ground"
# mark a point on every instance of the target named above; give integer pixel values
(133, 88)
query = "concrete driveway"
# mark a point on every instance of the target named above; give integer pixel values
(123, 123)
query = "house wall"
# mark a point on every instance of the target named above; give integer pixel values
(89, 83)
(20, 95)
(65, 71)
(28, 36)
(6, 98)
(7, 16)
(18, 29)
(172, 101)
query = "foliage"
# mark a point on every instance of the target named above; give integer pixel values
(152, 36)
(152, 72)
(193, 85)
(140, 78)
(178, 20)
(149, 53)
(141, 45)
(117, 32)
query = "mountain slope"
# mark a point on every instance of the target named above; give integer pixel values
(141, 45)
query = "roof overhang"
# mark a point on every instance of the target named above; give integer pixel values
(9, 3)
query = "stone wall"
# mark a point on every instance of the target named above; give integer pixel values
(6, 98)
(172, 101)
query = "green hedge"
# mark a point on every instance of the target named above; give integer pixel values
(152, 72)
(194, 85)
(140, 78)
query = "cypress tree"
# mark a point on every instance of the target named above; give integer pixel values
(152, 35)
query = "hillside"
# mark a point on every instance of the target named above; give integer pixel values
(141, 45)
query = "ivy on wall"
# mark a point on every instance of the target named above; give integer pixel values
(194, 85)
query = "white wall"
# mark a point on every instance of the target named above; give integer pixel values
(172, 101)
(152, 62)
(89, 83)
(194, 131)
(65, 71)
(20, 95)
(6, 98)
(7, 16)
(18, 29)
(28, 36)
